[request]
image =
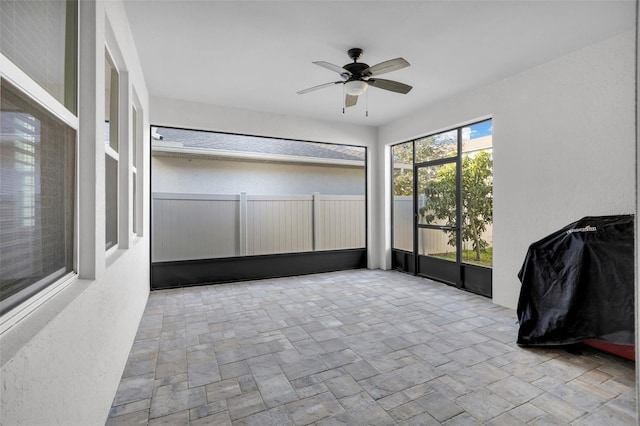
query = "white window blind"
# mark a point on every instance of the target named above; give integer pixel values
(37, 186)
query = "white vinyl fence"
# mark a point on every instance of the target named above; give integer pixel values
(204, 226)
(431, 241)
(403, 223)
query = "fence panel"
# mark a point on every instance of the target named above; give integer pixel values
(403, 223)
(436, 243)
(194, 226)
(203, 226)
(340, 222)
(279, 224)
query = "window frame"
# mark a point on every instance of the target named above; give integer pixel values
(137, 168)
(42, 98)
(473, 277)
(134, 170)
(114, 154)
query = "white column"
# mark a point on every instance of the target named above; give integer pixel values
(315, 228)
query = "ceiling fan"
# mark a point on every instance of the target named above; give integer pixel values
(358, 76)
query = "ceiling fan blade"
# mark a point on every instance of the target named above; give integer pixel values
(350, 101)
(386, 66)
(393, 86)
(333, 67)
(311, 89)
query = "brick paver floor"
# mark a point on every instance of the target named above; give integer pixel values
(358, 348)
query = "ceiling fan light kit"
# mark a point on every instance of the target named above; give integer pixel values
(357, 77)
(355, 87)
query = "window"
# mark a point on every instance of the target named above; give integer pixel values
(442, 145)
(111, 153)
(134, 169)
(41, 38)
(37, 191)
(37, 146)
(402, 158)
(477, 194)
(442, 206)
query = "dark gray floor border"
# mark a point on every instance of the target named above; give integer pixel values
(187, 273)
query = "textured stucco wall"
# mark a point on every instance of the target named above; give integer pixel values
(61, 364)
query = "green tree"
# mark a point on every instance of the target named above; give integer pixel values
(477, 199)
(428, 148)
(403, 169)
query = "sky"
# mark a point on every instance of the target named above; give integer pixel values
(477, 130)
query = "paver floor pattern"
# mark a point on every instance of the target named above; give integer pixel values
(359, 347)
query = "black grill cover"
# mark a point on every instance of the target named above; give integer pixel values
(577, 284)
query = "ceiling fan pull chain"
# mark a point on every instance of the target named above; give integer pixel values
(366, 99)
(344, 99)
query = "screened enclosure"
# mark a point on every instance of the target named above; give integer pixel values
(223, 200)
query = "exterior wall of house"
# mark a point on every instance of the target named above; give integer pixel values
(563, 147)
(211, 176)
(62, 363)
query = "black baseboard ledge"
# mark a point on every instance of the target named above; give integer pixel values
(186, 273)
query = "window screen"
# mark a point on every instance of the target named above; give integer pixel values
(221, 195)
(37, 154)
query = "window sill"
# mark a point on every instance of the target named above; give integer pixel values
(23, 323)
(113, 255)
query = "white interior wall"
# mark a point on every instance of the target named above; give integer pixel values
(563, 136)
(192, 115)
(63, 362)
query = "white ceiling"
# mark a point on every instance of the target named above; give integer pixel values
(257, 55)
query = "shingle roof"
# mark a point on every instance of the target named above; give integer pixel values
(253, 144)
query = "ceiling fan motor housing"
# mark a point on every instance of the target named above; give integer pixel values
(356, 69)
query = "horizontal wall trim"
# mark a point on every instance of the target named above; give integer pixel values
(251, 156)
(175, 274)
